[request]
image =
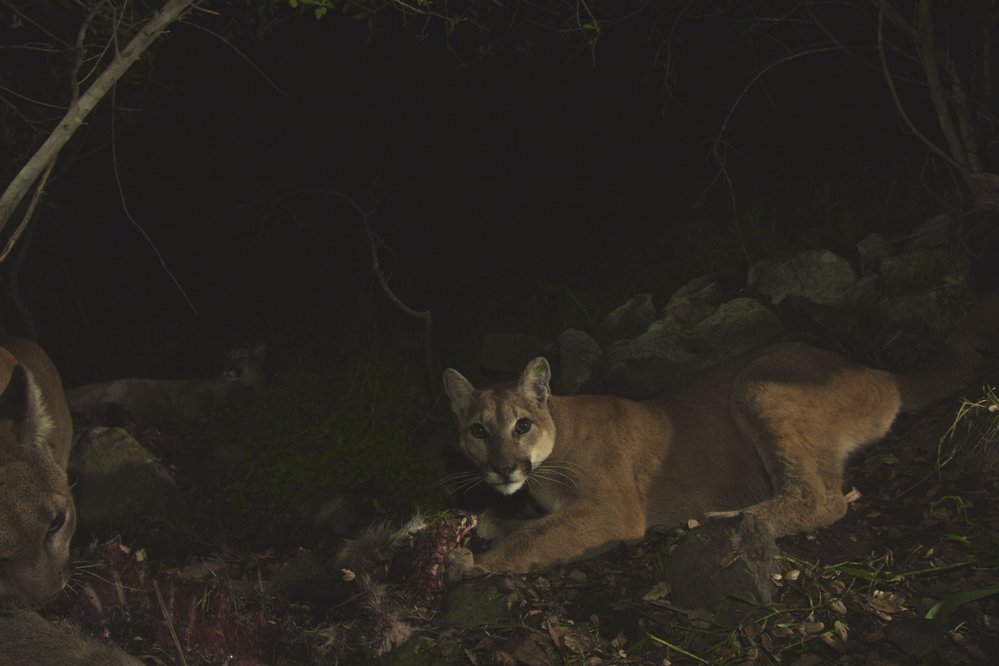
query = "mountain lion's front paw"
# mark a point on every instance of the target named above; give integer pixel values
(459, 564)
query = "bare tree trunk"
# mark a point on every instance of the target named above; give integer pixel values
(77, 112)
(955, 112)
(927, 46)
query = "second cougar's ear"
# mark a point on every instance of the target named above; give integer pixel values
(21, 402)
(459, 390)
(534, 381)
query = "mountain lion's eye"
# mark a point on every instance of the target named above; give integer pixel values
(57, 523)
(478, 431)
(523, 425)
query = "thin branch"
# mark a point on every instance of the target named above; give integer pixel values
(965, 126)
(383, 281)
(242, 55)
(30, 172)
(29, 211)
(38, 26)
(132, 220)
(759, 75)
(926, 44)
(898, 102)
(44, 178)
(169, 623)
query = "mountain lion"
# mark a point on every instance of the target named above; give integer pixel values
(26, 639)
(37, 514)
(142, 401)
(766, 434)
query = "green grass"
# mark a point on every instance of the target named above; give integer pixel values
(334, 425)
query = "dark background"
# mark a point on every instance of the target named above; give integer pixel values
(523, 193)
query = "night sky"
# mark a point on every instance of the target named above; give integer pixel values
(505, 189)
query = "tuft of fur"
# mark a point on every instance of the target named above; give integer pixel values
(399, 573)
(375, 546)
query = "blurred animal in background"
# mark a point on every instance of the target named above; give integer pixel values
(140, 401)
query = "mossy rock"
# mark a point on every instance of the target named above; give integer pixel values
(919, 270)
(736, 326)
(481, 603)
(426, 651)
(819, 276)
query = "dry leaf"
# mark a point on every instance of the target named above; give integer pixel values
(659, 591)
(730, 559)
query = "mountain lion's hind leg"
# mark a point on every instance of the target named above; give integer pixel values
(805, 472)
(802, 504)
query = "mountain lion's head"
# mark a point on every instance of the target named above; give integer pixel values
(37, 514)
(507, 430)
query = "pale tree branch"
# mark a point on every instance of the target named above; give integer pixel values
(74, 97)
(77, 113)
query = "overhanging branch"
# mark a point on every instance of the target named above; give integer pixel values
(77, 113)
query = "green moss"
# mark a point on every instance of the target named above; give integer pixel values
(307, 432)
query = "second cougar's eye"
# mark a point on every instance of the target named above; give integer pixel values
(478, 431)
(523, 425)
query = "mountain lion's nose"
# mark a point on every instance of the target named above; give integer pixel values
(505, 470)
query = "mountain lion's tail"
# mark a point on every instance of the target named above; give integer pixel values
(955, 365)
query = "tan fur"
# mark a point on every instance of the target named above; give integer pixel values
(29, 640)
(37, 514)
(767, 433)
(164, 401)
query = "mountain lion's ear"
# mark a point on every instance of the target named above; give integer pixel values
(459, 390)
(21, 403)
(534, 380)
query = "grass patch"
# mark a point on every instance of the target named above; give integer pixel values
(346, 428)
(974, 430)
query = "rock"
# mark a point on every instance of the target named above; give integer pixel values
(629, 320)
(419, 651)
(923, 269)
(723, 557)
(915, 636)
(839, 321)
(933, 233)
(736, 326)
(428, 651)
(695, 301)
(865, 293)
(659, 341)
(873, 249)
(656, 362)
(662, 359)
(819, 276)
(481, 603)
(918, 307)
(641, 378)
(509, 353)
(120, 483)
(580, 355)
